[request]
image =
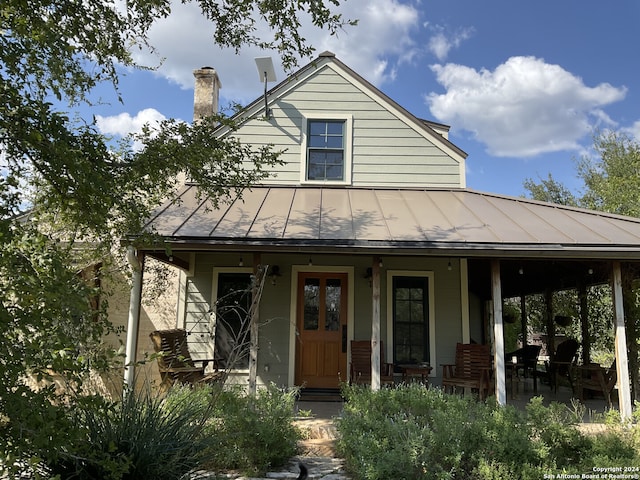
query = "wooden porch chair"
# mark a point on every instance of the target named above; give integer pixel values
(595, 377)
(563, 364)
(175, 362)
(527, 357)
(360, 367)
(473, 369)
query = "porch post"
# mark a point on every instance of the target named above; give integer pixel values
(584, 322)
(498, 333)
(136, 261)
(375, 325)
(622, 361)
(254, 319)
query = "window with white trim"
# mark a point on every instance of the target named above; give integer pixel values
(232, 300)
(326, 150)
(410, 319)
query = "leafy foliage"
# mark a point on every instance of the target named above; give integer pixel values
(146, 436)
(75, 189)
(612, 184)
(411, 432)
(252, 434)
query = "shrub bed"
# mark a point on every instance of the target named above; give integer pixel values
(147, 436)
(411, 432)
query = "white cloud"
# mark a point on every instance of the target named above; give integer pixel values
(523, 108)
(123, 124)
(185, 42)
(633, 131)
(441, 43)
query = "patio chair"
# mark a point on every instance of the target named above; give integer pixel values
(175, 363)
(527, 357)
(360, 368)
(597, 378)
(562, 365)
(473, 369)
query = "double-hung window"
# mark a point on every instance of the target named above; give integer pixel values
(327, 150)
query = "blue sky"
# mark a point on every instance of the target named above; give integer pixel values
(522, 84)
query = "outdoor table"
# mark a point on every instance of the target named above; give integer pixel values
(414, 371)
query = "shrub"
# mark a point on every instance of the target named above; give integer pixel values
(252, 434)
(143, 436)
(410, 432)
(147, 436)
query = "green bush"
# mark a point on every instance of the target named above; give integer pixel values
(143, 436)
(411, 432)
(252, 434)
(147, 436)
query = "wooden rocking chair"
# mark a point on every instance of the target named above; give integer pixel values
(175, 362)
(562, 365)
(360, 370)
(472, 369)
(595, 377)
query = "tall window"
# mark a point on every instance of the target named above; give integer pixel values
(326, 150)
(232, 326)
(410, 320)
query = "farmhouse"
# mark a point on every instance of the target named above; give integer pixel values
(366, 232)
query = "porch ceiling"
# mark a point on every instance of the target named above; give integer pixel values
(403, 221)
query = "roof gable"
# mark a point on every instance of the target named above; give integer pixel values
(385, 145)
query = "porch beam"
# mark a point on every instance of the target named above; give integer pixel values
(498, 333)
(136, 261)
(375, 324)
(622, 360)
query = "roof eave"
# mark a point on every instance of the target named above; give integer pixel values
(404, 248)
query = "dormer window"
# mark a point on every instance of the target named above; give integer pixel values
(327, 150)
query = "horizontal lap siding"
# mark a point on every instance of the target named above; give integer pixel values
(387, 150)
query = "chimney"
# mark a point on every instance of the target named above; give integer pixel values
(206, 93)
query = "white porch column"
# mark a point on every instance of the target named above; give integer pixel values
(622, 360)
(498, 333)
(137, 265)
(375, 325)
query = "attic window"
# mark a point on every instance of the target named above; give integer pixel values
(327, 151)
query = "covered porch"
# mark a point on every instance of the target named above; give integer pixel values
(474, 249)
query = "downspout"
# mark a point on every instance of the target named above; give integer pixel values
(137, 266)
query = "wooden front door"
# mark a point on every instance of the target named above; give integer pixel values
(321, 347)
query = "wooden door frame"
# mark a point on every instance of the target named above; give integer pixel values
(293, 309)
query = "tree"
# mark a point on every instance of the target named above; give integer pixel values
(74, 188)
(549, 190)
(612, 184)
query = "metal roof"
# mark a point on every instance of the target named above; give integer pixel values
(413, 219)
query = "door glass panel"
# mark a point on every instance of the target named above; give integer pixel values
(311, 303)
(332, 305)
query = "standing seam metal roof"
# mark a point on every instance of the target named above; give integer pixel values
(420, 217)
